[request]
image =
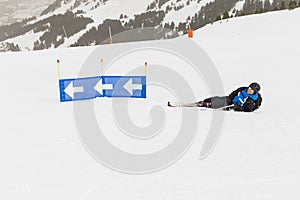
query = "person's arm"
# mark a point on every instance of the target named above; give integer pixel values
(235, 93)
(258, 102)
(231, 97)
(238, 108)
(250, 105)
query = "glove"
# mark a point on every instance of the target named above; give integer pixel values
(249, 105)
(237, 108)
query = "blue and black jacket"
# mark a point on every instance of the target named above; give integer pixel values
(244, 101)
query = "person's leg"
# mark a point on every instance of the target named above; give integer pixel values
(206, 103)
(215, 102)
(218, 102)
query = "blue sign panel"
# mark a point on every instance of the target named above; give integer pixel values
(102, 86)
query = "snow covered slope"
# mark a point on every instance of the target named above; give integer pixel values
(15, 10)
(68, 23)
(98, 11)
(256, 158)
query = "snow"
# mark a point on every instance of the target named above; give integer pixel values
(182, 14)
(26, 41)
(15, 10)
(71, 40)
(111, 9)
(256, 158)
(239, 5)
(64, 8)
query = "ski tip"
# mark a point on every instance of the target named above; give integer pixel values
(169, 104)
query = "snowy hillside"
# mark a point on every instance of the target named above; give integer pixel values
(257, 156)
(103, 9)
(68, 23)
(100, 10)
(16, 10)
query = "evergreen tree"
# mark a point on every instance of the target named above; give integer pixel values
(167, 26)
(267, 5)
(282, 7)
(182, 27)
(218, 18)
(258, 6)
(293, 5)
(172, 26)
(275, 4)
(225, 15)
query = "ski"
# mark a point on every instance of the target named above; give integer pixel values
(195, 105)
(183, 104)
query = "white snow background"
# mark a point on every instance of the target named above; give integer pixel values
(257, 157)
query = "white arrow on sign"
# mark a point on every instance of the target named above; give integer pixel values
(129, 86)
(100, 87)
(71, 90)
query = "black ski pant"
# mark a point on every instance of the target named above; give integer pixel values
(218, 102)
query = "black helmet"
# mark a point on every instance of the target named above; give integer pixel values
(255, 87)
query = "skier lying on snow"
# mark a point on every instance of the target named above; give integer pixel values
(246, 99)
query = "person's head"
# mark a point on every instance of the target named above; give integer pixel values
(253, 88)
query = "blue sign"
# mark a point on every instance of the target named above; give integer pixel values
(102, 86)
